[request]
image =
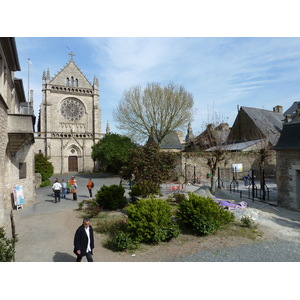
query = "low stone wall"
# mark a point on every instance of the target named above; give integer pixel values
(197, 163)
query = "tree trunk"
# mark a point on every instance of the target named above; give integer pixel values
(213, 182)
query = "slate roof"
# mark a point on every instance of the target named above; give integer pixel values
(237, 146)
(171, 141)
(267, 121)
(292, 110)
(290, 136)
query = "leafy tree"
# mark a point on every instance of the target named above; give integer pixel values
(44, 167)
(112, 151)
(154, 110)
(149, 167)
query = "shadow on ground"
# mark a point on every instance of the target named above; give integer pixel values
(63, 257)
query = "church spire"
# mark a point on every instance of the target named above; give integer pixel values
(107, 128)
(48, 75)
(190, 134)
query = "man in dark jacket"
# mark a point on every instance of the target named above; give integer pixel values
(84, 241)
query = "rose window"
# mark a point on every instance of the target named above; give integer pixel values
(72, 109)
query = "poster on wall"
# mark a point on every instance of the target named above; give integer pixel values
(237, 167)
(18, 195)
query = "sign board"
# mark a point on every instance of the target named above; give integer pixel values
(18, 195)
(237, 167)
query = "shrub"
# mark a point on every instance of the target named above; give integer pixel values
(111, 197)
(92, 209)
(111, 225)
(44, 167)
(203, 214)
(80, 205)
(247, 222)
(7, 247)
(134, 193)
(178, 197)
(150, 221)
(122, 241)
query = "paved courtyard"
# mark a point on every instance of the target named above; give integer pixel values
(46, 229)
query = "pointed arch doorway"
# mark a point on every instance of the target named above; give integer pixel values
(73, 164)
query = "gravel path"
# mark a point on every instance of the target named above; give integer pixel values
(281, 228)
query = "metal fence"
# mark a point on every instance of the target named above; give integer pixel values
(247, 187)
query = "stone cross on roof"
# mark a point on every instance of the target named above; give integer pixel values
(71, 54)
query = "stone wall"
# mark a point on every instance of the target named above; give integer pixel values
(249, 160)
(288, 178)
(3, 145)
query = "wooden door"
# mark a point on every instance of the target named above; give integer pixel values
(73, 164)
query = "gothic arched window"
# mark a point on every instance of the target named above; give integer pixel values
(72, 81)
(67, 81)
(76, 82)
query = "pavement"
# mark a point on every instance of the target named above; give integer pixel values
(46, 229)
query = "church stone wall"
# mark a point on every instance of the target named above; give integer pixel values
(69, 131)
(60, 79)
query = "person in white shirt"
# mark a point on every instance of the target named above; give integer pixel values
(56, 187)
(84, 241)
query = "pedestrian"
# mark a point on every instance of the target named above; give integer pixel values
(72, 181)
(56, 188)
(64, 188)
(68, 187)
(84, 241)
(90, 186)
(74, 191)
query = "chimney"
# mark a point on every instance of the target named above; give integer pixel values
(278, 109)
(287, 119)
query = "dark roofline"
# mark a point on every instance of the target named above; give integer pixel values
(289, 138)
(11, 53)
(20, 89)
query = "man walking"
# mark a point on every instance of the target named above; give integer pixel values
(56, 187)
(84, 241)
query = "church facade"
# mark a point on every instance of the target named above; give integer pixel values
(70, 119)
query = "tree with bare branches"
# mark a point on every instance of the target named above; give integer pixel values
(155, 110)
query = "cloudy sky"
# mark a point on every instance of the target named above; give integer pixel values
(221, 72)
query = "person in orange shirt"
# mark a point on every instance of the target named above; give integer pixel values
(72, 181)
(90, 186)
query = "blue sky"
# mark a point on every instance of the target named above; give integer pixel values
(220, 72)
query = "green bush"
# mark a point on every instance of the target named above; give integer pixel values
(44, 167)
(7, 247)
(150, 221)
(92, 209)
(122, 241)
(178, 197)
(203, 214)
(247, 222)
(111, 225)
(134, 193)
(111, 197)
